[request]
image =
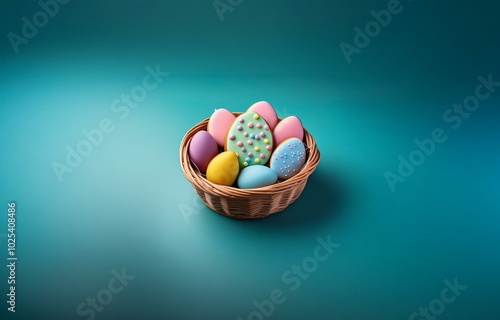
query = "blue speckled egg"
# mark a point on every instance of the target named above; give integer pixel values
(256, 177)
(288, 158)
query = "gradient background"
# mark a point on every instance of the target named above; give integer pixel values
(123, 206)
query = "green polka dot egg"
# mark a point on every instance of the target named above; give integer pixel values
(251, 138)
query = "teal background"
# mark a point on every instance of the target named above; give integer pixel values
(129, 206)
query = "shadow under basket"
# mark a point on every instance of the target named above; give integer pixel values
(247, 203)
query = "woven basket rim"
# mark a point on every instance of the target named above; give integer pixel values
(198, 181)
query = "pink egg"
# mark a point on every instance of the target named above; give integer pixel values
(290, 127)
(202, 149)
(266, 111)
(219, 123)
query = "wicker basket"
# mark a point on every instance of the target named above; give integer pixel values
(247, 203)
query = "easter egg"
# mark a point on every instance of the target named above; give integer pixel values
(202, 149)
(266, 111)
(290, 127)
(219, 123)
(251, 138)
(223, 169)
(288, 158)
(256, 177)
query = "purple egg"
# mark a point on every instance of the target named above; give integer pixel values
(202, 149)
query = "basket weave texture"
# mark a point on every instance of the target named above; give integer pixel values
(247, 203)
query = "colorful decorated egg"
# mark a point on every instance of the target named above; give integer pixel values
(223, 169)
(266, 111)
(219, 123)
(288, 158)
(202, 149)
(290, 127)
(250, 137)
(256, 177)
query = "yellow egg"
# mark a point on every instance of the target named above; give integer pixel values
(223, 169)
